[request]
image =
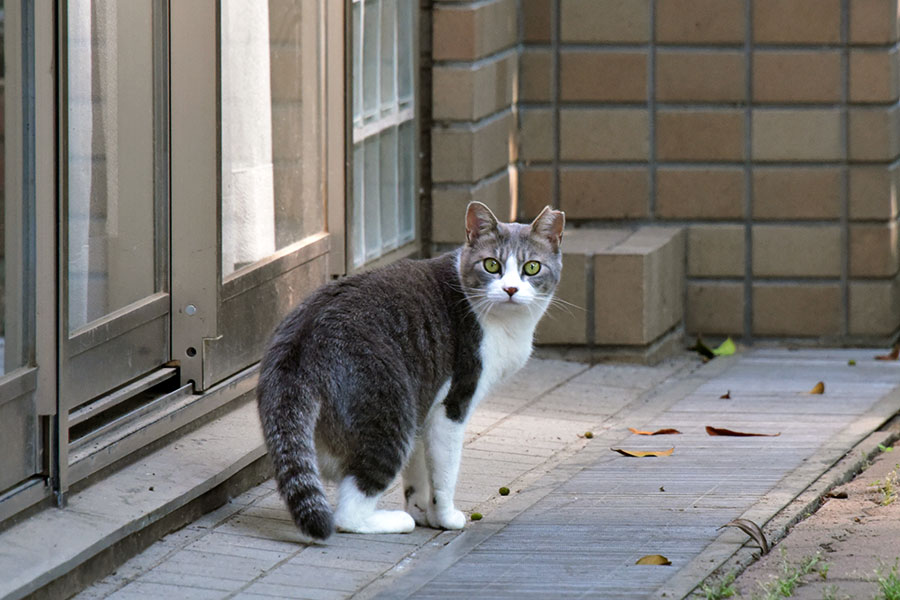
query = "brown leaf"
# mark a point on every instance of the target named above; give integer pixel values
(726, 396)
(723, 431)
(819, 388)
(751, 529)
(643, 453)
(894, 355)
(657, 432)
(653, 559)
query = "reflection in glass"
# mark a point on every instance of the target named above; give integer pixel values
(271, 128)
(111, 217)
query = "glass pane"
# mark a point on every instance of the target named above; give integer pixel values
(357, 62)
(371, 204)
(111, 212)
(405, 49)
(407, 182)
(272, 183)
(356, 225)
(8, 360)
(388, 182)
(371, 29)
(383, 202)
(388, 55)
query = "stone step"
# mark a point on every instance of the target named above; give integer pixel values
(621, 295)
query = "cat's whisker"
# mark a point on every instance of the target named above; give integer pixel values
(556, 301)
(559, 309)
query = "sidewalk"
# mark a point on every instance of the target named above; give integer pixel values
(579, 515)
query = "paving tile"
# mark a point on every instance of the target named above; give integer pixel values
(142, 591)
(582, 537)
(193, 580)
(317, 577)
(235, 546)
(191, 562)
(266, 591)
(340, 558)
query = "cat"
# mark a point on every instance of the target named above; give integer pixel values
(377, 374)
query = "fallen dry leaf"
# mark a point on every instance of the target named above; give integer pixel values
(723, 431)
(726, 396)
(657, 432)
(819, 388)
(751, 529)
(653, 559)
(894, 355)
(643, 453)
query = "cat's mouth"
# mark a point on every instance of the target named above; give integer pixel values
(514, 300)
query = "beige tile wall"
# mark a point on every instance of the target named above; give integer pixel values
(769, 128)
(475, 66)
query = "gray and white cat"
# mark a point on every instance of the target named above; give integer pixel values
(377, 374)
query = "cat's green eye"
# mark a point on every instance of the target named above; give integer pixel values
(532, 267)
(491, 265)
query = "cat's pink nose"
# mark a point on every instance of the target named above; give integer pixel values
(510, 290)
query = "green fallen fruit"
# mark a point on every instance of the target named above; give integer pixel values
(477, 516)
(851, 362)
(588, 434)
(504, 491)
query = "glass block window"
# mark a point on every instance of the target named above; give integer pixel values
(383, 208)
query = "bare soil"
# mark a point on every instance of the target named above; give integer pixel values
(856, 533)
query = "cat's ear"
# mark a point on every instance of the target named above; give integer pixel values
(549, 225)
(479, 221)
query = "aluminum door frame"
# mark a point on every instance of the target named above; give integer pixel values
(221, 326)
(31, 188)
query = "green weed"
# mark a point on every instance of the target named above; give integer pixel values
(888, 583)
(720, 589)
(889, 487)
(791, 576)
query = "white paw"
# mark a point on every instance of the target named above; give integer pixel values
(381, 521)
(447, 519)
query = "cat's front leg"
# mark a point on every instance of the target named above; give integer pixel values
(416, 484)
(443, 450)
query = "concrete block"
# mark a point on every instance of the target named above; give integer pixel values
(639, 287)
(565, 322)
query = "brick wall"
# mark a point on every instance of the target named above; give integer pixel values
(475, 64)
(769, 129)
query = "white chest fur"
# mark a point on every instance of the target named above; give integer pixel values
(505, 347)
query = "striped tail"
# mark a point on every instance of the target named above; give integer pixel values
(289, 411)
